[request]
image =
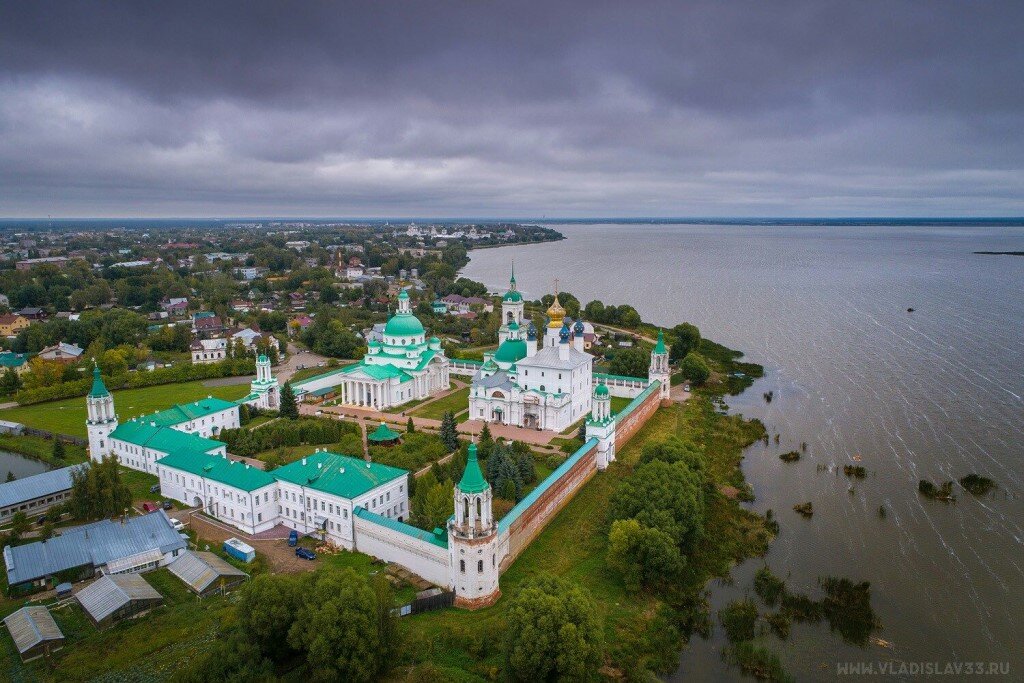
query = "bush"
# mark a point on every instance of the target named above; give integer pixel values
(757, 662)
(739, 619)
(305, 430)
(695, 368)
(644, 557)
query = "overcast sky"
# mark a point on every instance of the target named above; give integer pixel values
(483, 108)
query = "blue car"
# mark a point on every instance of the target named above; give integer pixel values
(293, 538)
(305, 553)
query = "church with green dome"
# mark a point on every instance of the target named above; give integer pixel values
(404, 366)
(527, 385)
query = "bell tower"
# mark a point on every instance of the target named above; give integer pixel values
(473, 540)
(659, 366)
(101, 419)
(512, 306)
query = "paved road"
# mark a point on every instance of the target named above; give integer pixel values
(297, 357)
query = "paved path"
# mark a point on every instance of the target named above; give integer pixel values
(296, 357)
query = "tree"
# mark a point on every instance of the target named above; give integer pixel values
(432, 502)
(410, 426)
(552, 632)
(485, 443)
(289, 408)
(10, 476)
(98, 491)
(19, 525)
(682, 338)
(58, 448)
(664, 496)
(449, 432)
(234, 659)
(630, 363)
(10, 382)
(695, 368)
(267, 610)
(46, 533)
(581, 434)
(672, 450)
(644, 556)
(339, 627)
(244, 414)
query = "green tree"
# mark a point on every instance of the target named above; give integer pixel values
(98, 491)
(58, 448)
(581, 434)
(485, 443)
(672, 450)
(665, 496)
(695, 368)
(410, 426)
(338, 628)
(630, 362)
(645, 557)
(46, 533)
(449, 431)
(19, 525)
(267, 610)
(289, 408)
(682, 339)
(10, 476)
(232, 658)
(10, 382)
(552, 632)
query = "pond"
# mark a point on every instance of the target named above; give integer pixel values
(19, 465)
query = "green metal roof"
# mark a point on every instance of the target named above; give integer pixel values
(660, 346)
(338, 475)
(384, 433)
(512, 296)
(511, 351)
(440, 540)
(186, 412)
(9, 359)
(601, 390)
(165, 439)
(99, 389)
(218, 468)
(472, 478)
(404, 325)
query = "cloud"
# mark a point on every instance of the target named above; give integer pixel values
(481, 109)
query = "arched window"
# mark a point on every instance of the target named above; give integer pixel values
(465, 509)
(480, 566)
(479, 510)
(462, 566)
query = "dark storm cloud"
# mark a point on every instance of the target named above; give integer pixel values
(479, 108)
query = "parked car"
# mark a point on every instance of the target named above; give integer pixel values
(178, 526)
(168, 505)
(155, 488)
(305, 553)
(293, 538)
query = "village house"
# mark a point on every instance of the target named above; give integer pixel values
(62, 353)
(209, 350)
(12, 323)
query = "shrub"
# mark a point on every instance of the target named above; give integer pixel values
(738, 619)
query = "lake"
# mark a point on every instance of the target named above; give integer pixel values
(931, 394)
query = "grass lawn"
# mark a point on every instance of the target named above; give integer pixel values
(455, 402)
(618, 403)
(68, 416)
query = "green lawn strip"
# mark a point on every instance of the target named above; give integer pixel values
(455, 402)
(68, 416)
(618, 403)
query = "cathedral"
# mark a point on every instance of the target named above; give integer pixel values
(530, 384)
(404, 367)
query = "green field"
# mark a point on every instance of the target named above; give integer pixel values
(456, 402)
(68, 416)
(618, 403)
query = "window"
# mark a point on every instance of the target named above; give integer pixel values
(480, 566)
(462, 566)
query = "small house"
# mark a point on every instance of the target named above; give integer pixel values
(115, 597)
(34, 631)
(206, 574)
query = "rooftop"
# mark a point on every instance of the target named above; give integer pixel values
(338, 475)
(110, 593)
(218, 468)
(200, 569)
(37, 486)
(30, 626)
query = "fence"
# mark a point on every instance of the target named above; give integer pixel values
(32, 431)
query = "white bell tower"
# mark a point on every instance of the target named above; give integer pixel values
(659, 366)
(473, 540)
(101, 419)
(512, 306)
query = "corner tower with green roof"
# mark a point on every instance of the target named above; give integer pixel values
(473, 540)
(659, 369)
(101, 418)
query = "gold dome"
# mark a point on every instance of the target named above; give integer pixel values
(557, 314)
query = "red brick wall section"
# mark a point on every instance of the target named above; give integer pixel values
(536, 517)
(625, 429)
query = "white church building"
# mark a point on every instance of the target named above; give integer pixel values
(520, 384)
(405, 366)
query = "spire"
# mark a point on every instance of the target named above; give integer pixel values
(472, 478)
(99, 389)
(512, 280)
(660, 346)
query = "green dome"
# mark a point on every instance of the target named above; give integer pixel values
(601, 390)
(403, 325)
(511, 351)
(513, 296)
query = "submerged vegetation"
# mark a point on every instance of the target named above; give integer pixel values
(855, 471)
(790, 456)
(943, 492)
(977, 484)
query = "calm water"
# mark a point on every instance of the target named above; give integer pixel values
(19, 465)
(933, 394)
